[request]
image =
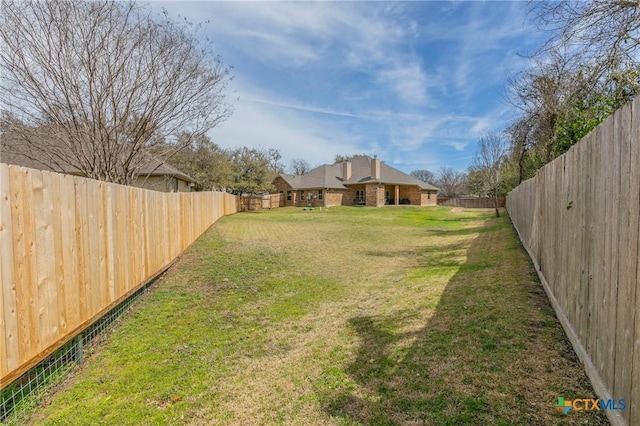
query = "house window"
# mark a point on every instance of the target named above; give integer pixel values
(288, 195)
(359, 197)
(174, 183)
(319, 194)
(428, 195)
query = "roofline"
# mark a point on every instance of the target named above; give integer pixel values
(176, 175)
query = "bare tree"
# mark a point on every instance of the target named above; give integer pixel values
(450, 182)
(424, 175)
(595, 31)
(274, 160)
(299, 166)
(488, 160)
(100, 82)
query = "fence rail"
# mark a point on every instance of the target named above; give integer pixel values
(72, 248)
(578, 219)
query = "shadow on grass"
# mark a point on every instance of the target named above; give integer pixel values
(492, 352)
(463, 231)
(421, 252)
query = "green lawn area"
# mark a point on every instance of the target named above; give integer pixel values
(391, 316)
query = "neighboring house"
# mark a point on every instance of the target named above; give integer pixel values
(360, 181)
(153, 174)
(160, 176)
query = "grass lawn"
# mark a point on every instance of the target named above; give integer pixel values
(391, 316)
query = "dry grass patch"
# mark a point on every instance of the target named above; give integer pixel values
(347, 316)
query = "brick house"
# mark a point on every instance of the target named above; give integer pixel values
(360, 181)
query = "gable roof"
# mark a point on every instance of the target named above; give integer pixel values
(325, 176)
(35, 155)
(330, 176)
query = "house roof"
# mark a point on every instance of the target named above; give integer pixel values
(35, 155)
(325, 176)
(330, 176)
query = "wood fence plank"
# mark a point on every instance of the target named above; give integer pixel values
(59, 294)
(96, 252)
(28, 296)
(120, 218)
(539, 215)
(166, 226)
(598, 258)
(68, 282)
(9, 353)
(110, 207)
(595, 239)
(634, 216)
(612, 257)
(601, 258)
(584, 201)
(46, 257)
(102, 283)
(146, 244)
(624, 321)
(572, 211)
(83, 249)
(56, 299)
(561, 213)
(137, 237)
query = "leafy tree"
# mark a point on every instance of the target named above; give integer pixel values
(206, 162)
(559, 107)
(299, 166)
(340, 158)
(424, 175)
(251, 173)
(586, 70)
(474, 182)
(103, 81)
(589, 108)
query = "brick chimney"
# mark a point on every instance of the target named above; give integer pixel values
(375, 168)
(346, 170)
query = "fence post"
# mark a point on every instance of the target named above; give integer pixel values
(77, 349)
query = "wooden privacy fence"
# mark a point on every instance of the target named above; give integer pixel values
(471, 202)
(259, 202)
(578, 219)
(72, 248)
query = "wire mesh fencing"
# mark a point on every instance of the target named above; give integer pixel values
(25, 394)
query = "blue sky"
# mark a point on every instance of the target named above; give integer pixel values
(415, 83)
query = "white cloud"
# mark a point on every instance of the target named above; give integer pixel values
(409, 82)
(357, 37)
(294, 134)
(401, 80)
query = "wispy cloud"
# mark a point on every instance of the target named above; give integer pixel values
(409, 82)
(296, 135)
(415, 82)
